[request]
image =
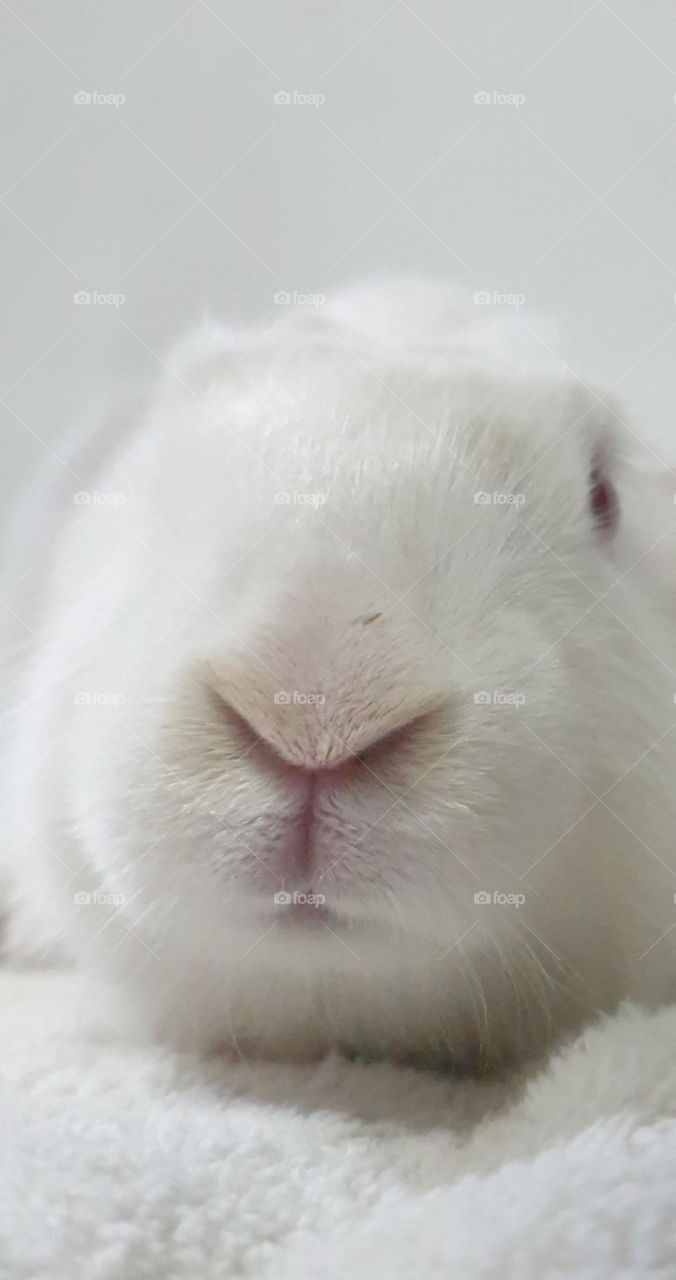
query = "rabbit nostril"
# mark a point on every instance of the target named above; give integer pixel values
(392, 742)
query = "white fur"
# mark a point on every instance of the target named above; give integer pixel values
(384, 587)
(135, 1162)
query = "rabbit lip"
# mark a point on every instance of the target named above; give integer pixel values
(302, 909)
(308, 820)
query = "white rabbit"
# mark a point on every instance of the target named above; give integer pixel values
(343, 718)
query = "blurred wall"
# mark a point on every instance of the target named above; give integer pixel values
(164, 158)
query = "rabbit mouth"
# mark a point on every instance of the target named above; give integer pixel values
(301, 910)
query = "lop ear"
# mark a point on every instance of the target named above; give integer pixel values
(206, 356)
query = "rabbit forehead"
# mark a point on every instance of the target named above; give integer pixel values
(324, 414)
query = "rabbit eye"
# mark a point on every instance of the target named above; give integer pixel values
(603, 501)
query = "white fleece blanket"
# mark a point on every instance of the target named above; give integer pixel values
(125, 1162)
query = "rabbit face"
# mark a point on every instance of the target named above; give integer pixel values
(375, 705)
(348, 613)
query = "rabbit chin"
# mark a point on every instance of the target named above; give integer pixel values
(212, 961)
(297, 979)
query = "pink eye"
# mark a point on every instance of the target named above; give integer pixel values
(603, 501)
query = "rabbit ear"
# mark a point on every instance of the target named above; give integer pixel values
(206, 355)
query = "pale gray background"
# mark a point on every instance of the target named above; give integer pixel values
(199, 191)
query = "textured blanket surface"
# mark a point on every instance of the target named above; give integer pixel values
(129, 1162)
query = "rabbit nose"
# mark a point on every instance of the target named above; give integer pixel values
(317, 749)
(357, 713)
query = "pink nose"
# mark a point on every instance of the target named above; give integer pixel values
(314, 769)
(326, 758)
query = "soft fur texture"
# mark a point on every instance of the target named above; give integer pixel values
(137, 1164)
(287, 645)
